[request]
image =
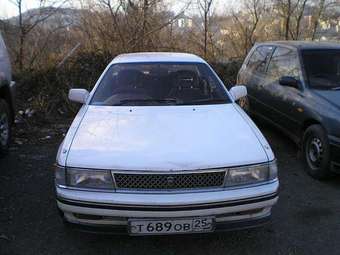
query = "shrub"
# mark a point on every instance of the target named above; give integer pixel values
(227, 71)
(46, 89)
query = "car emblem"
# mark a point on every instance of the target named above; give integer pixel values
(170, 180)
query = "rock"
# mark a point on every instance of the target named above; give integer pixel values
(46, 137)
(3, 236)
(19, 142)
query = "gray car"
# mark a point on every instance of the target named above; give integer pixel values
(7, 92)
(296, 87)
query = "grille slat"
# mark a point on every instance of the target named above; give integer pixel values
(169, 181)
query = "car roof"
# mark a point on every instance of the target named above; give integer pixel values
(156, 57)
(304, 45)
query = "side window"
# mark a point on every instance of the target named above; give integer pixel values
(259, 58)
(284, 62)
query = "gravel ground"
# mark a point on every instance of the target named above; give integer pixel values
(305, 221)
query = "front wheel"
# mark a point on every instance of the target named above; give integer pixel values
(316, 151)
(5, 127)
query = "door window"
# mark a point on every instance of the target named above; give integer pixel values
(258, 60)
(284, 62)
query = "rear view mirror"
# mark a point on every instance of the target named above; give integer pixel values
(238, 92)
(78, 95)
(289, 81)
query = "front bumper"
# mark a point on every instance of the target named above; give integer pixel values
(233, 208)
(122, 229)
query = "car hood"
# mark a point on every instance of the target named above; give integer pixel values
(164, 138)
(331, 96)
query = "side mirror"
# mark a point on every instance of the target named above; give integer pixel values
(78, 95)
(238, 92)
(289, 81)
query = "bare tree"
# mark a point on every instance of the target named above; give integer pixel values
(205, 10)
(248, 21)
(285, 9)
(136, 25)
(292, 13)
(28, 22)
(300, 9)
(320, 8)
(114, 11)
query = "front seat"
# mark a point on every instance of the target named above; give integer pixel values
(129, 81)
(186, 86)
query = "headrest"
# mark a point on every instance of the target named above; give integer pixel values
(129, 77)
(186, 79)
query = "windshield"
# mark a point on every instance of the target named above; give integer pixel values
(140, 84)
(322, 68)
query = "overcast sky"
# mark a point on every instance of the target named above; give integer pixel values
(8, 9)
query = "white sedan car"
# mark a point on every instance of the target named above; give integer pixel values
(160, 147)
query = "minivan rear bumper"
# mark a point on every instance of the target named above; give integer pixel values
(237, 208)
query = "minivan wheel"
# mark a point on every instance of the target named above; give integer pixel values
(316, 152)
(5, 127)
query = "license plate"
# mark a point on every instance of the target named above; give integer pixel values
(171, 226)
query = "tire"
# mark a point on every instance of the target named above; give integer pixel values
(5, 127)
(316, 152)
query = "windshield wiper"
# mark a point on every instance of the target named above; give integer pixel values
(205, 101)
(152, 100)
(336, 88)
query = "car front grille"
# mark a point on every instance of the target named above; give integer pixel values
(150, 181)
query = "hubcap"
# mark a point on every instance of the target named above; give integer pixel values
(315, 152)
(4, 129)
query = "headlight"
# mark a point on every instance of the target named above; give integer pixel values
(59, 174)
(84, 178)
(251, 174)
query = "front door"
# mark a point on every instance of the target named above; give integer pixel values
(254, 73)
(283, 103)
